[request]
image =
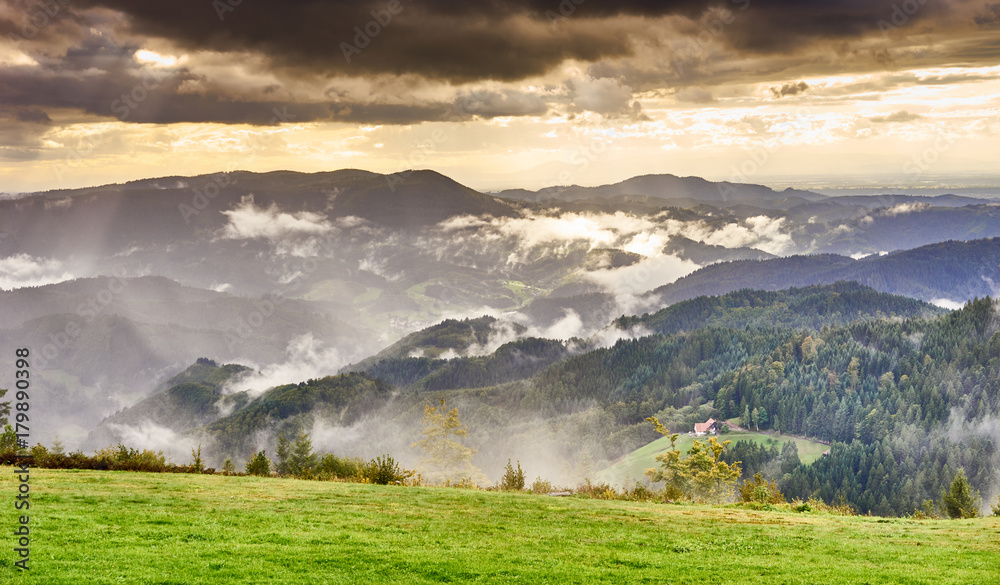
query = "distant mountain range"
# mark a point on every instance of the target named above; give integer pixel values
(224, 310)
(674, 191)
(537, 399)
(949, 271)
(344, 264)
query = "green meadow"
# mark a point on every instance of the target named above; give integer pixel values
(633, 466)
(96, 527)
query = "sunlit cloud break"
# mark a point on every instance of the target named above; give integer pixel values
(644, 235)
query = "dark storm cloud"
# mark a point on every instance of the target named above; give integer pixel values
(32, 116)
(144, 99)
(990, 15)
(21, 131)
(49, 21)
(100, 77)
(508, 40)
(84, 51)
(437, 40)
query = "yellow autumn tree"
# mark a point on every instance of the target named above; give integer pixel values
(699, 476)
(446, 458)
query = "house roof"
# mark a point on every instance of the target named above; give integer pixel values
(703, 427)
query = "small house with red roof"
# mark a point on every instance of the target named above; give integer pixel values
(706, 428)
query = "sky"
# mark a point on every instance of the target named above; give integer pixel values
(498, 94)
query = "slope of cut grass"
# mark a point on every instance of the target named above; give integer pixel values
(119, 527)
(632, 467)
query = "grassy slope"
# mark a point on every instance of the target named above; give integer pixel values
(633, 466)
(120, 527)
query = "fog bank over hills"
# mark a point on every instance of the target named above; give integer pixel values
(296, 275)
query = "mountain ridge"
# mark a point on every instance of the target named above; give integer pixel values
(669, 187)
(948, 270)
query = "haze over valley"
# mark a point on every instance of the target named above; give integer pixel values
(430, 289)
(227, 226)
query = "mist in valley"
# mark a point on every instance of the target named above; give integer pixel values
(307, 282)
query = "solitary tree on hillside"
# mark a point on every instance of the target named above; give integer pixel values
(259, 464)
(281, 453)
(513, 480)
(961, 501)
(302, 459)
(196, 461)
(701, 475)
(445, 457)
(57, 446)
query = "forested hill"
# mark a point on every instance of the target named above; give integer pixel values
(515, 360)
(948, 270)
(189, 400)
(345, 397)
(905, 402)
(811, 308)
(450, 338)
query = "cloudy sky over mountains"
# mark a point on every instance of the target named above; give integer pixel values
(498, 93)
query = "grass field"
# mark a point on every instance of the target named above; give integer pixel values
(633, 466)
(92, 527)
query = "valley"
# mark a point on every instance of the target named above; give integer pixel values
(533, 291)
(556, 322)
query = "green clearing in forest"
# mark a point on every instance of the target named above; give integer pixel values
(632, 467)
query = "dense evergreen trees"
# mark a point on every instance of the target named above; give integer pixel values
(347, 395)
(512, 361)
(809, 307)
(905, 402)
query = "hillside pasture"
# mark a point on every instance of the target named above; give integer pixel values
(99, 528)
